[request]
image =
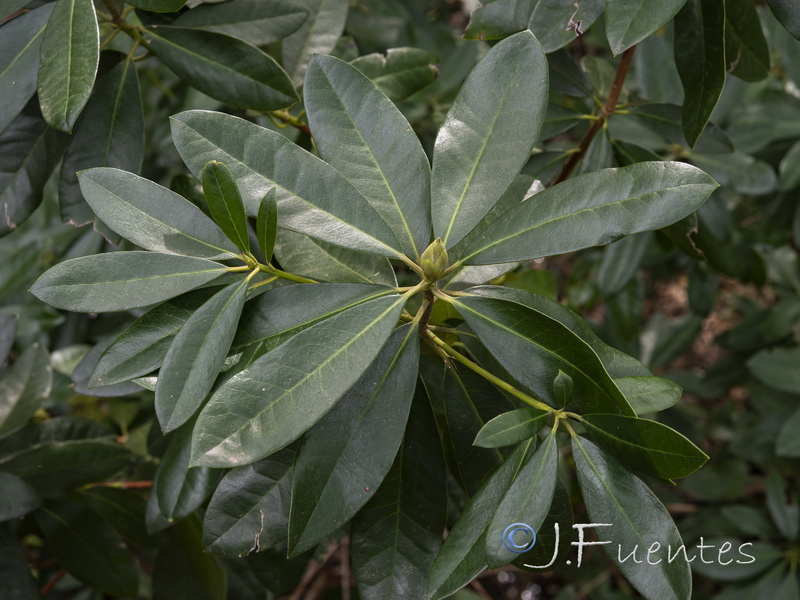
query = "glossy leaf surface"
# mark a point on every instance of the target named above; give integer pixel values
(593, 210)
(196, 355)
(312, 197)
(224, 67)
(534, 348)
(151, 216)
(343, 459)
(358, 130)
(263, 403)
(645, 445)
(615, 496)
(69, 55)
(488, 135)
(122, 280)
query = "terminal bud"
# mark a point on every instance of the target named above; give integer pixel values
(434, 260)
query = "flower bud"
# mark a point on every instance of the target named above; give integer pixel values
(434, 260)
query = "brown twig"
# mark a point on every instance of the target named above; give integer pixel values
(48, 587)
(605, 113)
(480, 590)
(312, 570)
(344, 569)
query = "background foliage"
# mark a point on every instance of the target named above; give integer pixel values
(96, 501)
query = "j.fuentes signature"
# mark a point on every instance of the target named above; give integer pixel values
(520, 537)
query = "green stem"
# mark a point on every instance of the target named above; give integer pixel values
(503, 385)
(265, 282)
(287, 117)
(284, 275)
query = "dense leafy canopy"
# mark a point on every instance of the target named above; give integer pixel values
(302, 303)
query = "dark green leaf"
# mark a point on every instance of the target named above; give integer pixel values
(777, 368)
(498, 19)
(254, 21)
(152, 216)
(277, 573)
(157, 5)
(110, 134)
(628, 22)
(667, 121)
(18, 497)
(52, 468)
(649, 394)
(24, 388)
(286, 391)
(637, 520)
(746, 50)
(511, 428)
(617, 363)
(786, 12)
(123, 509)
(224, 67)
(534, 348)
(16, 580)
(177, 489)
(593, 210)
(765, 556)
(488, 135)
(19, 61)
(141, 348)
(88, 548)
(463, 554)
(700, 58)
(790, 168)
(783, 510)
(400, 72)
(196, 355)
(267, 225)
(562, 389)
(8, 331)
(249, 510)
(351, 121)
(225, 204)
(318, 35)
(469, 403)
(788, 443)
(313, 198)
(396, 536)
(274, 317)
(556, 23)
(527, 500)
(551, 545)
(70, 53)
(322, 261)
(343, 459)
(83, 369)
(621, 262)
(29, 151)
(183, 571)
(122, 280)
(648, 446)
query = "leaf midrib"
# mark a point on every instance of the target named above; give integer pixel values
(294, 194)
(590, 209)
(209, 330)
(547, 350)
(484, 146)
(616, 503)
(270, 408)
(361, 416)
(167, 226)
(375, 162)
